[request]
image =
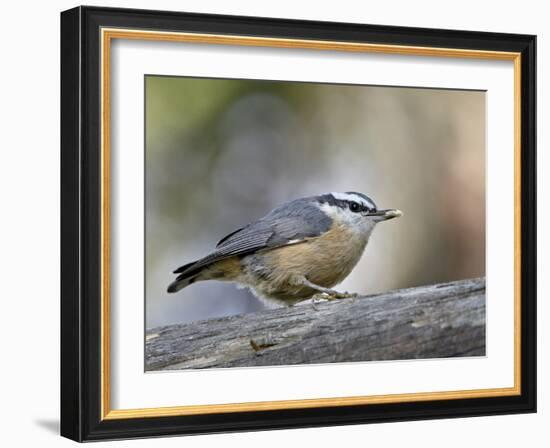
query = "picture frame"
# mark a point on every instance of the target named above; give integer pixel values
(87, 35)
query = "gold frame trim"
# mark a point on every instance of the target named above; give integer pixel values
(107, 35)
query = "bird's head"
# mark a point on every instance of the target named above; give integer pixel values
(355, 210)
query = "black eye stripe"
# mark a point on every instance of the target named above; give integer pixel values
(345, 203)
(359, 207)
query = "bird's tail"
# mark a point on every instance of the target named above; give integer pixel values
(187, 276)
(207, 268)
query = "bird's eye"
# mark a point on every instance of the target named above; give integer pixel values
(354, 207)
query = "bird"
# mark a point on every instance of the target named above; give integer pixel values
(298, 251)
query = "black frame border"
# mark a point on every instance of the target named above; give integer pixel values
(81, 223)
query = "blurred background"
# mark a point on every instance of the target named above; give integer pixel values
(222, 153)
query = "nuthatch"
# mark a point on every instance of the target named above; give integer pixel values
(298, 250)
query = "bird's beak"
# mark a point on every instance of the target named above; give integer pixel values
(384, 215)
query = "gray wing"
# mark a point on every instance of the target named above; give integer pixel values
(288, 224)
(291, 222)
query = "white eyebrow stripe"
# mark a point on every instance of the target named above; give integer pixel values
(353, 197)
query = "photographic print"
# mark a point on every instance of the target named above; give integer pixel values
(301, 223)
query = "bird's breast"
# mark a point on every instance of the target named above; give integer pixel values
(325, 260)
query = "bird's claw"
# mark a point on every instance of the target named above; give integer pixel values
(345, 295)
(317, 299)
(329, 297)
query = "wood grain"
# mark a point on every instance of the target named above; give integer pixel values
(435, 321)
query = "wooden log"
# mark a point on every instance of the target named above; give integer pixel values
(436, 321)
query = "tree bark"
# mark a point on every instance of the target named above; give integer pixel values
(435, 321)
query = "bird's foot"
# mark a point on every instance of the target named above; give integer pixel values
(343, 295)
(318, 298)
(333, 295)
